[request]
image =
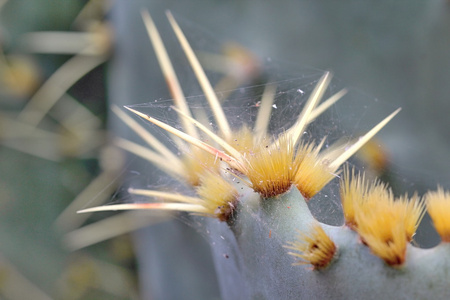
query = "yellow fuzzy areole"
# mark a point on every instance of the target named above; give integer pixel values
(219, 195)
(315, 248)
(385, 224)
(271, 169)
(438, 204)
(313, 172)
(385, 238)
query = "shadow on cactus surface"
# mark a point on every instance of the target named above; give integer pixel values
(250, 160)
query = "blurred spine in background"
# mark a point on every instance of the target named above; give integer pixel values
(55, 148)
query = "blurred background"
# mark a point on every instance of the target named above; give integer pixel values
(63, 63)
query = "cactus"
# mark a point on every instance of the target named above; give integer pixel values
(253, 185)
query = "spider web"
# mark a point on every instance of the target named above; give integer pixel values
(347, 119)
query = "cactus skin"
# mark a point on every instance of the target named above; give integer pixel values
(263, 226)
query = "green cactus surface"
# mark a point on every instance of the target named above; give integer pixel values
(264, 226)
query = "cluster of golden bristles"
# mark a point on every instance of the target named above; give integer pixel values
(315, 248)
(385, 224)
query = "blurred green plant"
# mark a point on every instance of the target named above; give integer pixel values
(52, 147)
